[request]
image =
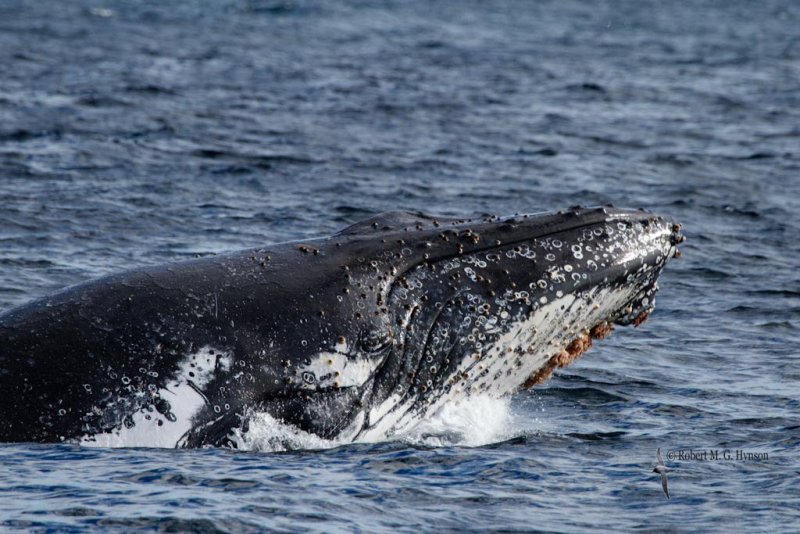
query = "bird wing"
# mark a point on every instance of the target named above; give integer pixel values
(664, 484)
(658, 455)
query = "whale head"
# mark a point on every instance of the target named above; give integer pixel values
(357, 336)
(422, 311)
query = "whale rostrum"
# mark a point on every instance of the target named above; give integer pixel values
(356, 336)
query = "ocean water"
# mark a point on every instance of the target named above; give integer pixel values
(141, 132)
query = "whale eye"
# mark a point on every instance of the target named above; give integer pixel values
(374, 341)
(308, 377)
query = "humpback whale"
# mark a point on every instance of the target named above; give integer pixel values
(355, 336)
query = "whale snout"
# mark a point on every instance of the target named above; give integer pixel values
(645, 243)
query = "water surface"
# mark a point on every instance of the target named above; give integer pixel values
(133, 133)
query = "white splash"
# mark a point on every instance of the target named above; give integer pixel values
(471, 422)
(267, 434)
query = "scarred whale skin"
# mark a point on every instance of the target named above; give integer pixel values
(354, 336)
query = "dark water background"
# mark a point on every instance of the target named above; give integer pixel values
(133, 133)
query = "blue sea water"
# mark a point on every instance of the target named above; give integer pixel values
(141, 132)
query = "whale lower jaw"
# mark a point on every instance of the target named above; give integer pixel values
(548, 338)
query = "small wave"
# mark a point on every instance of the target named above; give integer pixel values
(593, 395)
(597, 436)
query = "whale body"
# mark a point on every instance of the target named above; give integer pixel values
(355, 336)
